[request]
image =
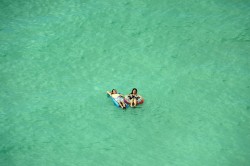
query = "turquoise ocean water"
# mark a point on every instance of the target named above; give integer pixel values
(190, 60)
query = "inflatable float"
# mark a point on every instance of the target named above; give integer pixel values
(115, 102)
(140, 100)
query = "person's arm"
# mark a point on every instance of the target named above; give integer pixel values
(140, 96)
(109, 93)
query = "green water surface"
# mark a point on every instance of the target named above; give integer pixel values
(190, 60)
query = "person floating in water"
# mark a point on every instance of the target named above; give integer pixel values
(134, 98)
(118, 98)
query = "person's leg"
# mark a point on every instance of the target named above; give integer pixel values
(131, 103)
(120, 104)
(118, 101)
(124, 105)
(135, 102)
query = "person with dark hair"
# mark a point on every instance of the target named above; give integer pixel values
(134, 98)
(118, 98)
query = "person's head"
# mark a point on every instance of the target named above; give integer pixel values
(134, 91)
(114, 91)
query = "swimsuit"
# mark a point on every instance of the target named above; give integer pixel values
(132, 97)
(119, 99)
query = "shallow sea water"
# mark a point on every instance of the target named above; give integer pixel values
(190, 60)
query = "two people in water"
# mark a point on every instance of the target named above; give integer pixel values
(133, 98)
